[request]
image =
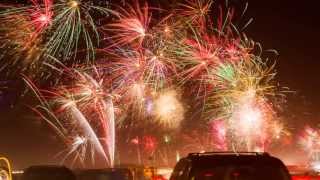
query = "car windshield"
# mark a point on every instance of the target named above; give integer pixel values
(229, 172)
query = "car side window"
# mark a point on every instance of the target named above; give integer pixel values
(179, 172)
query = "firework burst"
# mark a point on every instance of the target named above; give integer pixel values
(82, 114)
(242, 96)
(34, 32)
(72, 24)
(131, 27)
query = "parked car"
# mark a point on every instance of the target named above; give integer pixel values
(48, 173)
(105, 174)
(230, 166)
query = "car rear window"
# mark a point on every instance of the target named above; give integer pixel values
(230, 172)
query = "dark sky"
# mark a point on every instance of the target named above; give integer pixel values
(290, 27)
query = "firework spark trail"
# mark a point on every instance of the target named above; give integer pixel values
(195, 11)
(108, 111)
(93, 93)
(19, 50)
(88, 131)
(85, 105)
(22, 30)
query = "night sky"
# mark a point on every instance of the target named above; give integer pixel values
(290, 27)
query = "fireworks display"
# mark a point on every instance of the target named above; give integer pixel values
(144, 71)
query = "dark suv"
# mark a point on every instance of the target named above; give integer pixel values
(230, 166)
(48, 173)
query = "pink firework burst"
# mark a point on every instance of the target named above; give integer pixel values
(131, 27)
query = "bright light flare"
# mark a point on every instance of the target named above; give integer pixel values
(250, 118)
(44, 19)
(316, 166)
(168, 110)
(74, 4)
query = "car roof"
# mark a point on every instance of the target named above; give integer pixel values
(47, 167)
(234, 153)
(236, 158)
(48, 172)
(103, 170)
